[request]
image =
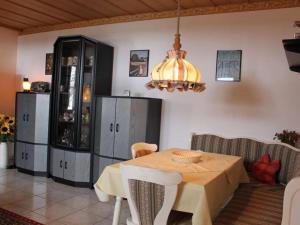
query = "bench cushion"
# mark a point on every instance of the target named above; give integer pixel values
(251, 150)
(253, 204)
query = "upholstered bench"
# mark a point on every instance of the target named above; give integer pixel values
(257, 203)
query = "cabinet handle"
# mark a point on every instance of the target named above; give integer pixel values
(66, 165)
(111, 128)
(24, 117)
(60, 164)
(117, 127)
(22, 155)
(27, 117)
(26, 156)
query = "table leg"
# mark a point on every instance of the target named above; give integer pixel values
(117, 211)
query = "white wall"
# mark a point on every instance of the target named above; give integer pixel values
(266, 101)
(8, 53)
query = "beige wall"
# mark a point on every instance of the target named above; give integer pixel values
(8, 53)
(264, 102)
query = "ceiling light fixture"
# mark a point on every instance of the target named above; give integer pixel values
(175, 72)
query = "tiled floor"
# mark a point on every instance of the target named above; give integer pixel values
(51, 203)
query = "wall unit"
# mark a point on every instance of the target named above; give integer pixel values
(83, 68)
(31, 142)
(120, 122)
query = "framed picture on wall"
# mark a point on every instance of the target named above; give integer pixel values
(228, 66)
(49, 64)
(139, 61)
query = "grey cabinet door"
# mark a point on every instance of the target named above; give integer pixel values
(29, 157)
(69, 165)
(30, 101)
(57, 162)
(122, 129)
(41, 119)
(139, 114)
(40, 158)
(82, 168)
(99, 165)
(21, 117)
(20, 155)
(107, 130)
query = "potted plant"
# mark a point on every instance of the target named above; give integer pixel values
(288, 137)
(7, 131)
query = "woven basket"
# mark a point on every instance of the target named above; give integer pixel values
(186, 156)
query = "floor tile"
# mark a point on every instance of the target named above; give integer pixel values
(34, 203)
(36, 217)
(101, 209)
(81, 218)
(125, 213)
(36, 188)
(56, 195)
(13, 196)
(6, 179)
(56, 222)
(4, 189)
(55, 211)
(78, 202)
(14, 207)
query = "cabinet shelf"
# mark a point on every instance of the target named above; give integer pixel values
(64, 93)
(68, 66)
(65, 121)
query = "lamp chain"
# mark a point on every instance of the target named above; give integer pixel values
(178, 15)
(177, 44)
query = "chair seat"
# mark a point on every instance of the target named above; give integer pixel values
(179, 218)
(254, 203)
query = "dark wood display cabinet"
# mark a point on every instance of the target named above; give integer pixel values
(83, 68)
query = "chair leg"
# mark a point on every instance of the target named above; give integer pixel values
(117, 211)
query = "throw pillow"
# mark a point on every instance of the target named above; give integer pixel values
(266, 170)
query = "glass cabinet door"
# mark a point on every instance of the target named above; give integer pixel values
(66, 105)
(86, 96)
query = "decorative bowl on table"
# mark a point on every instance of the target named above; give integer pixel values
(186, 156)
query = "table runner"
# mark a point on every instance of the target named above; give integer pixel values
(206, 185)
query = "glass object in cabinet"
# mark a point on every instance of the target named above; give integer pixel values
(86, 98)
(67, 93)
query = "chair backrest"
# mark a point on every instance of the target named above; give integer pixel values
(151, 194)
(140, 149)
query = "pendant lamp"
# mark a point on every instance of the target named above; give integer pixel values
(175, 72)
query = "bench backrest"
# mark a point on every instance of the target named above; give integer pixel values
(251, 150)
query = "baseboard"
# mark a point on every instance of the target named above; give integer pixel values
(33, 173)
(71, 183)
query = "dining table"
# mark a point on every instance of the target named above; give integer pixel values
(206, 186)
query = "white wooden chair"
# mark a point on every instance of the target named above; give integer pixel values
(151, 194)
(140, 149)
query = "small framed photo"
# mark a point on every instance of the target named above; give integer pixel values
(139, 61)
(228, 66)
(49, 64)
